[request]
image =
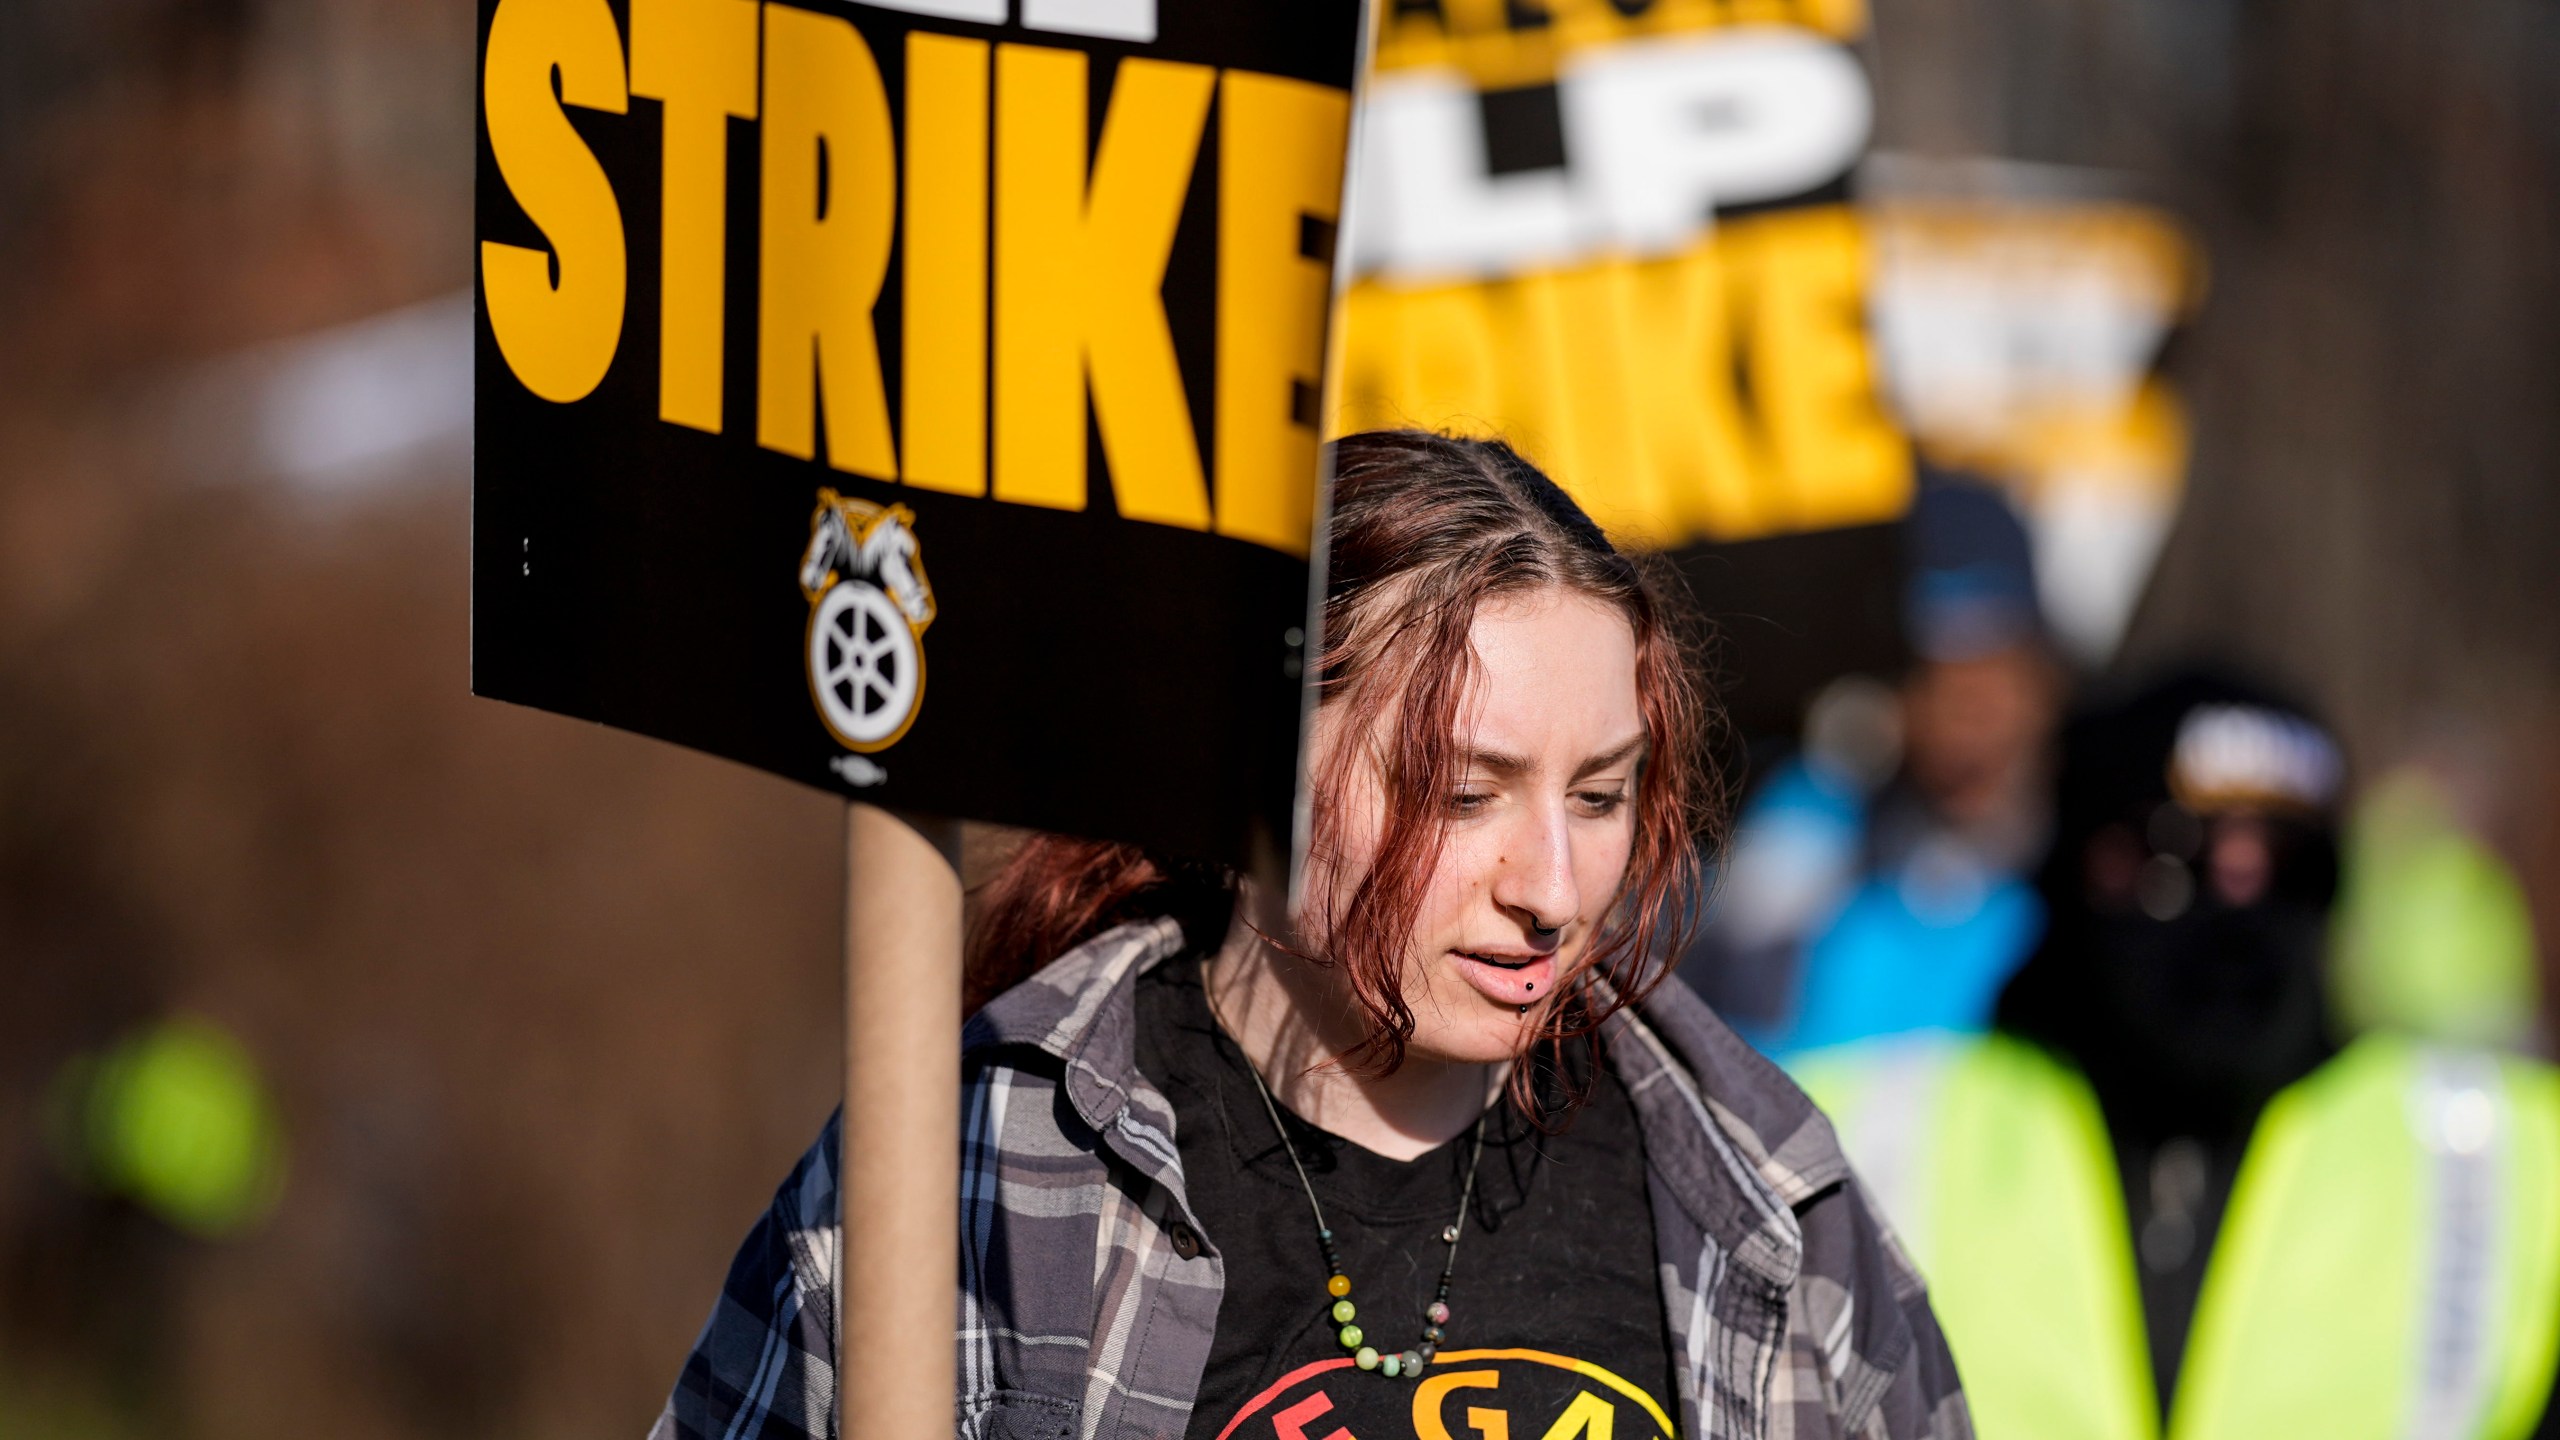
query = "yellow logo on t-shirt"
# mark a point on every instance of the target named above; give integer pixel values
(1466, 1395)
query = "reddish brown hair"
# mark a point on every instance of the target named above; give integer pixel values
(1425, 529)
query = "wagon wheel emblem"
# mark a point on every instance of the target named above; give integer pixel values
(864, 665)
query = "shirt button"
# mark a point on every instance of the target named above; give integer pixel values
(1186, 1241)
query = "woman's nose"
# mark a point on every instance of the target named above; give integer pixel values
(1534, 877)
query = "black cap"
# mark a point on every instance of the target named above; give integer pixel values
(1969, 572)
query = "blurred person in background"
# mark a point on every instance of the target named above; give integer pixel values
(2435, 932)
(2158, 1189)
(1878, 880)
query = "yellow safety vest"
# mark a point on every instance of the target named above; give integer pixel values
(2388, 1264)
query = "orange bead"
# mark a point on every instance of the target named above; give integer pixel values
(1338, 1286)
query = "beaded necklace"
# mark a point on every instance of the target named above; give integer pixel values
(1407, 1364)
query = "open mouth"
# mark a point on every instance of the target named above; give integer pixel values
(1514, 980)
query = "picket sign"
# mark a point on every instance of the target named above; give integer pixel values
(918, 399)
(918, 406)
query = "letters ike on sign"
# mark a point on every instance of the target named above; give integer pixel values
(916, 400)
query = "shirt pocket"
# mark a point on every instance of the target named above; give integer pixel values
(1021, 1415)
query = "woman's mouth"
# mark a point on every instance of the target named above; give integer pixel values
(1514, 979)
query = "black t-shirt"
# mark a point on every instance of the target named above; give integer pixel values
(1556, 1325)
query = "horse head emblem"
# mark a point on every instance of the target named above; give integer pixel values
(855, 540)
(830, 551)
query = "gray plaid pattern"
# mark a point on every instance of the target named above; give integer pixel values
(1081, 1316)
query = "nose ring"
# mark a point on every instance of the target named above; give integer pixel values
(1544, 932)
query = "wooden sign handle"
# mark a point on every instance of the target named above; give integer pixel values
(901, 1163)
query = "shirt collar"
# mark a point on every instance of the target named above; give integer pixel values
(1737, 1144)
(1081, 1009)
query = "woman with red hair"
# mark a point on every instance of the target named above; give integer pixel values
(1434, 1152)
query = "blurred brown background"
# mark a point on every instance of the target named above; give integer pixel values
(2373, 512)
(546, 1011)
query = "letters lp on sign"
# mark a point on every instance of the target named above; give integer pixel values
(915, 400)
(1621, 232)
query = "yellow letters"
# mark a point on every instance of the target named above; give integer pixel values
(1280, 150)
(1432, 1394)
(943, 358)
(1079, 275)
(558, 337)
(1844, 462)
(826, 248)
(1419, 357)
(1723, 392)
(1033, 260)
(697, 57)
(1588, 1418)
(1682, 397)
(1040, 130)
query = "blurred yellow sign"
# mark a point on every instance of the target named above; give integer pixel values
(2020, 340)
(1620, 233)
(1616, 232)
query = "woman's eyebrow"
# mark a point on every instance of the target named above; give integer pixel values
(1624, 751)
(1498, 762)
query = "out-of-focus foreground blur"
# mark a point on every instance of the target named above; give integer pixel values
(503, 1027)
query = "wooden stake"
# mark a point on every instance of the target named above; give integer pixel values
(901, 1163)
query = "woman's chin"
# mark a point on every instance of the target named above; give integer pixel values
(1474, 1040)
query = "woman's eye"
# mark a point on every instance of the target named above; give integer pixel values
(1602, 802)
(1467, 802)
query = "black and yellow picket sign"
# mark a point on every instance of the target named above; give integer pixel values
(1617, 231)
(914, 399)
(1621, 234)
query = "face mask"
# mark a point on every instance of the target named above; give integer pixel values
(2205, 1015)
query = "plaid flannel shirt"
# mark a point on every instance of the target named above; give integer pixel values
(1089, 1296)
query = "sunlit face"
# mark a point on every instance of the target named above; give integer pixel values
(1541, 821)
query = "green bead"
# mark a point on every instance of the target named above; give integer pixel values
(1350, 1337)
(1367, 1359)
(1390, 1365)
(1342, 1312)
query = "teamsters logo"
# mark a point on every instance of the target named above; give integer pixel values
(869, 604)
